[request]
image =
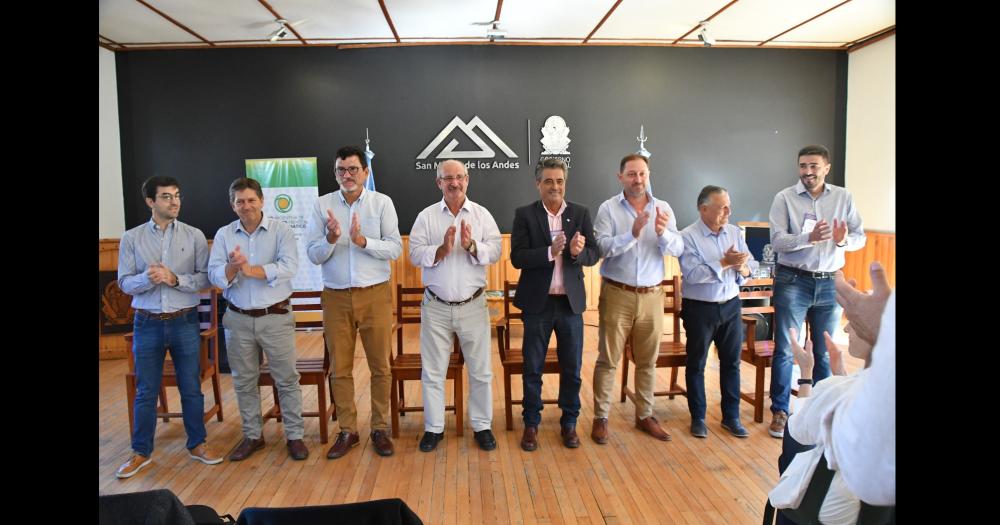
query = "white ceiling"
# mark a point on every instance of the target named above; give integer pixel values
(814, 24)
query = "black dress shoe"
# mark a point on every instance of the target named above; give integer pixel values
(297, 449)
(430, 441)
(485, 439)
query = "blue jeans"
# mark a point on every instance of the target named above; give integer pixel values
(152, 338)
(797, 298)
(538, 328)
(704, 323)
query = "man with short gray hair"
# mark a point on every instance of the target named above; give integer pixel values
(715, 262)
(453, 241)
(552, 240)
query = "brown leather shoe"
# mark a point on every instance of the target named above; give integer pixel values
(381, 443)
(652, 427)
(245, 448)
(600, 432)
(297, 449)
(345, 440)
(529, 440)
(569, 437)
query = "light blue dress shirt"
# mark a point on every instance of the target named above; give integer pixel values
(789, 211)
(180, 247)
(272, 246)
(635, 262)
(345, 264)
(704, 278)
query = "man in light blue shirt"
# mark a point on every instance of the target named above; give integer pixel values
(634, 232)
(813, 224)
(161, 264)
(253, 260)
(353, 233)
(716, 261)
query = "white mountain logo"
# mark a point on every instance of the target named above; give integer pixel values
(485, 151)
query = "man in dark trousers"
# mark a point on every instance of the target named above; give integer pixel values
(551, 242)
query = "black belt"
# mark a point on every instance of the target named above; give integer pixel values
(456, 303)
(164, 316)
(687, 300)
(807, 273)
(276, 308)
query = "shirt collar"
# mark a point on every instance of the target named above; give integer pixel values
(153, 228)
(556, 214)
(264, 223)
(801, 188)
(361, 197)
(465, 205)
(706, 231)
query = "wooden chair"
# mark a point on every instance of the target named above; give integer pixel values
(408, 366)
(512, 358)
(312, 370)
(756, 352)
(673, 352)
(209, 366)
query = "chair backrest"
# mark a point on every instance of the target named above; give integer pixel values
(209, 305)
(672, 303)
(408, 302)
(308, 301)
(510, 312)
(407, 310)
(756, 290)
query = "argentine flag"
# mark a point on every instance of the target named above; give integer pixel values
(370, 182)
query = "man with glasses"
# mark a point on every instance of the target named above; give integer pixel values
(715, 262)
(253, 260)
(552, 240)
(356, 292)
(453, 241)
(162, 265)
(634, 231)
(812, 225)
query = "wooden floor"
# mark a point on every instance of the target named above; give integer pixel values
(633, 479)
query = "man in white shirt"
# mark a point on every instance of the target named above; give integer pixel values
(453, 241)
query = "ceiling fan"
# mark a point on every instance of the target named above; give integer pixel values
(281, 31)
(494, 31)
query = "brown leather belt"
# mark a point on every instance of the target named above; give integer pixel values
(637, 289)
(456, 303)
(166, 316)
(276, 308)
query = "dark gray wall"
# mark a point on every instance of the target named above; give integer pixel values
(731, 117)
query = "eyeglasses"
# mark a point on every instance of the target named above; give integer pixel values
(170, 198)
(449, 180)
(353, 169)
(632, 174)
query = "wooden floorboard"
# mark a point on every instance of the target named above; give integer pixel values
(632, 479)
